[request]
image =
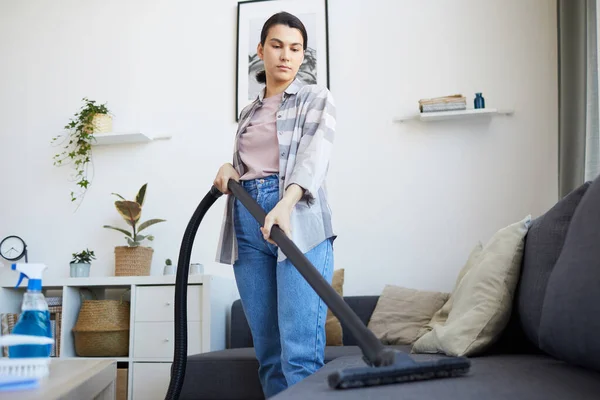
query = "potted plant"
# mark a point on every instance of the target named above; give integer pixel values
(169, 269)
(133, 259)
(77, 143)
(80, 265)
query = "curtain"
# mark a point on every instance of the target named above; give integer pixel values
(579, 144)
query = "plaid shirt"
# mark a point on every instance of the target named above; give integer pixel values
(305, 130)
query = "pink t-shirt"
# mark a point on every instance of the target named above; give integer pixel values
(258, 144)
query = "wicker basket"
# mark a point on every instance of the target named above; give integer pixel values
(133, 261)
(102, 329)
(102, 123)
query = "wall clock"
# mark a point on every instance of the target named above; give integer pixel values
(13, 248)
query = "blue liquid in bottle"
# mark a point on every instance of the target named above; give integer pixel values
(34, 320)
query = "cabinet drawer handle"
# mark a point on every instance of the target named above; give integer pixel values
(168, 303)
(167, 340)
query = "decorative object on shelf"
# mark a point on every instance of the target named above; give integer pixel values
(479, 101)
(102, 328)
(453, 102)
(133, 259)
(196, 269)
(13, 248)
(80, 265)
(169, 267)
(77, 144)
(251, 17)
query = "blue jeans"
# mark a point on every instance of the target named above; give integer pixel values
(285, 315)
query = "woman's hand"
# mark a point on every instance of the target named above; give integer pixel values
(280, 214)
(225, 173)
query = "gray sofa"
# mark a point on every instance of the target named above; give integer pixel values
(550, 348)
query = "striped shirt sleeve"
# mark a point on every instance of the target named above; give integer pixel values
(315, 145)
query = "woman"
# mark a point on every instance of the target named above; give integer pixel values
(281, 158)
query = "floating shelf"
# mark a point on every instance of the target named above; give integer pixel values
(446, 115)
(103, 139)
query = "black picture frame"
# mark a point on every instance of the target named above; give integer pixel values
(251, 16)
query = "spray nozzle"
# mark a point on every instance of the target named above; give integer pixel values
(33, 273)
(21, 279)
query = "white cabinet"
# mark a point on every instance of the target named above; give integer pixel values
(150, 380)
(152, 320)
(155, 340)
(156, 303)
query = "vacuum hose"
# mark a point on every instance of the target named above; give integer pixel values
(374, 352)
(181, 281)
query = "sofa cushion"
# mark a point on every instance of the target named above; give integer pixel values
(543, 245)
(233, 373)
(500, 377)
(570, 323)
(482, 302)
(240, 335)
(401, 313)
(363, 307)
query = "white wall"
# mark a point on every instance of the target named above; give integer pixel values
(410, 200)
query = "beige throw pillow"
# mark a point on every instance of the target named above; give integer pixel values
(333, 327)
(482, 301)
(401, 313)
(441, 315)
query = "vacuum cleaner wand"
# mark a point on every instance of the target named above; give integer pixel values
(385, 365)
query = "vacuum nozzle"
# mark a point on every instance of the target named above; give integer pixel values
(398, 367)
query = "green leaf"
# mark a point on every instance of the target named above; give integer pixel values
(118, 229)
(132, 243)
(129, 210)
(119, 196)
(139, 238)
(141, 195)
(150, 222)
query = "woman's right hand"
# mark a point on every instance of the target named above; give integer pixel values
(226, 172)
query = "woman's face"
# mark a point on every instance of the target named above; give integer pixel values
(282, 53)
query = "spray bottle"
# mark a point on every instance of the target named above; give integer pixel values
(35, 318)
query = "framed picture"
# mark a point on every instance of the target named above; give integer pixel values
(251, 17)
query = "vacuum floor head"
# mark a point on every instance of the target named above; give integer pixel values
(404, 369)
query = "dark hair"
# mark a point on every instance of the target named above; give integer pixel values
(281, 18)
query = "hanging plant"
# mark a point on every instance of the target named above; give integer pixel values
(77, 144)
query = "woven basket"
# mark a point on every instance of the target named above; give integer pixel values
(102, 329)
(102, 123)
(133, 261)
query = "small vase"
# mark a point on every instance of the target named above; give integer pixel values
(80, 270)
(479, 101)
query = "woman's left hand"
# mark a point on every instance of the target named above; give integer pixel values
(279, 215)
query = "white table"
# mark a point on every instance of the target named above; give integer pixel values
(80, 379)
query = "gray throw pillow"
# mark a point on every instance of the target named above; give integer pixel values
(543, 245)
(570, 323)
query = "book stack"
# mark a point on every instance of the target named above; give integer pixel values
(454, 102)
(55, 309)
(9, 320)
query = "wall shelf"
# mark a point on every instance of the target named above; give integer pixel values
(447, 115)
(103, 139)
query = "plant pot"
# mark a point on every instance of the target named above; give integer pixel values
(133, 261)
(79, 270)
(102, 329)
(102, 123)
